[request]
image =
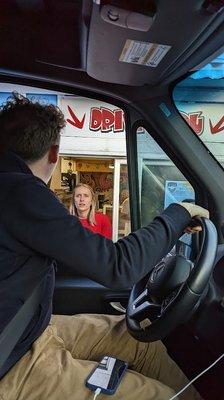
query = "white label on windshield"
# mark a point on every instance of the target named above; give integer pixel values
(143, 53)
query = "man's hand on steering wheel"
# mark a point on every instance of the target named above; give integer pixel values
(195, 211)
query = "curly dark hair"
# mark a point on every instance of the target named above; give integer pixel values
(29, 129)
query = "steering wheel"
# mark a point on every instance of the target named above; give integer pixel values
(172, 290)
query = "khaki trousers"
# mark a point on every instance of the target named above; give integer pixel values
(57, 365)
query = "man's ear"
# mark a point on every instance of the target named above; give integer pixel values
(53, 154)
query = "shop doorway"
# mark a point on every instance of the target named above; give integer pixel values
(121, 207)
(108, 178)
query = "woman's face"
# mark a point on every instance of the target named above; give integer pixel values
(82, 199)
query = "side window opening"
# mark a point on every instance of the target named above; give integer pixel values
(92, 151)
(160, 181)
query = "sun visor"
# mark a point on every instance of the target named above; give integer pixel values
(118, 40)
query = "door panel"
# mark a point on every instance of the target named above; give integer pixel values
(74, 295)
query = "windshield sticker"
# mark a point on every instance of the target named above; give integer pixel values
(176, 191)
(143, 53)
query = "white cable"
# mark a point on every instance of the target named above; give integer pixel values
(96, 393)
(196, 377)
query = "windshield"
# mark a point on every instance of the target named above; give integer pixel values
(200, 100)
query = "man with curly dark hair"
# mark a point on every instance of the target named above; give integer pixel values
(53, 357)
(30, 129)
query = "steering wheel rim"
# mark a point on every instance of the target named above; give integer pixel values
(181, 303)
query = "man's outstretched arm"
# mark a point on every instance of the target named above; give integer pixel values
(42, 223)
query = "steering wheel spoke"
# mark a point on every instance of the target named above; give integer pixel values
(141, 306)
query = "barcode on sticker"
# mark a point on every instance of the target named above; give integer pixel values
(143, 53)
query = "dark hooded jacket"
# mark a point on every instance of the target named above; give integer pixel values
(37, 231)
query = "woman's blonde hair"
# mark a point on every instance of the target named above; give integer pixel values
(91, 214)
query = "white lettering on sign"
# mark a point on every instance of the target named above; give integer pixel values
(196, 120)
(105, 120)
(89, 119)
